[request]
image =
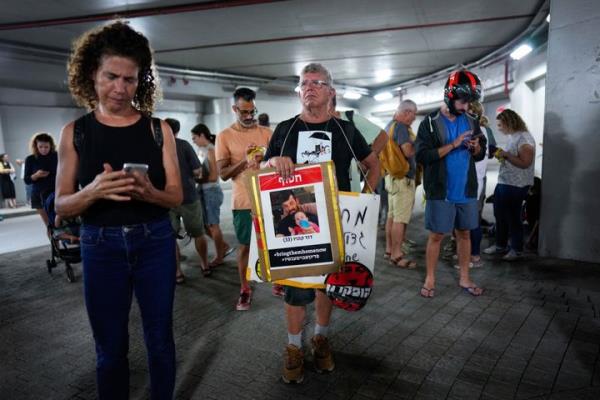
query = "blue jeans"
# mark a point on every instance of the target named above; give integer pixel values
(508, 202)
(118, 262)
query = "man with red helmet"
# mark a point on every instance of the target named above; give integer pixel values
(449, 141)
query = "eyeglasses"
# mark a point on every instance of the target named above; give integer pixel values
(249, 113)
(315, 82)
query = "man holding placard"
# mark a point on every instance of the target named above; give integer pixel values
(311, 137)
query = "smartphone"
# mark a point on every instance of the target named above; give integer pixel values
(133, 167)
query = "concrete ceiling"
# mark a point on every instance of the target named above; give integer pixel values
(367, 44)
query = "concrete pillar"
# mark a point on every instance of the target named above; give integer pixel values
(570, 215)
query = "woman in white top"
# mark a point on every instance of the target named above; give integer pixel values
(514, 178)
(210, 191)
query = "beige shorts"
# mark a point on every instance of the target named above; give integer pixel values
(401, 198)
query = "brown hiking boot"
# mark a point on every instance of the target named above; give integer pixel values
(322, 354)
(293, 364)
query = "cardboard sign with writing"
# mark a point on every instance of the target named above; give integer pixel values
(297, 221)
(359, 216)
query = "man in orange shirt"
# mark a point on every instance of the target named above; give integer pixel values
(232, 149)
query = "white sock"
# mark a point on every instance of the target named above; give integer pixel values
(321, 330)
(296, 340)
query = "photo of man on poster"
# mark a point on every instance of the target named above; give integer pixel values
(286, 203)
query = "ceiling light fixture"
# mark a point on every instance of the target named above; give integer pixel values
(350, 95)
(383, 75)
(383, 96)
(521, 52)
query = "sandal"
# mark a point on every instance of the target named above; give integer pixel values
(427, 293)
(206, 271)
(395, 260)
(387, 255)
(472, 290)
(179, 279)
(406, 263)
(228, 252)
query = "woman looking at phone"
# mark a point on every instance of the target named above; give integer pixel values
(514, 178)
(127, 244)
(40, 171)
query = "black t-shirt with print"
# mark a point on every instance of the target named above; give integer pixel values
(340, 154)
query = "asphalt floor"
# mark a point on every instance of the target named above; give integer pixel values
(534, 334)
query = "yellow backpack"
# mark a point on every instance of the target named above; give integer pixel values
(392, 159)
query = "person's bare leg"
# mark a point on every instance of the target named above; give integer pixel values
(295, 318)
(220, 245)
(242, 259)
(463, 244)
(178, 271)
(44, 217)
(323, 308)
(201, 249)
(388, 235)
(398, 229)
(432, 254)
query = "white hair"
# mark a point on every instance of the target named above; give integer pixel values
(319, 69)
(407, 105)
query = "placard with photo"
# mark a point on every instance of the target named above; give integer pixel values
(297, 221)
(360, 214)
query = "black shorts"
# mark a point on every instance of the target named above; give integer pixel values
(295, 296)
(37, 201)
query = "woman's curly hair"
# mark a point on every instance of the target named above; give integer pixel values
(512, 121)
(116, 39)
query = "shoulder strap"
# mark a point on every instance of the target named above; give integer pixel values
(391, 129)
(283, 126)
(158, 133)
(78, 134)
(351, 130)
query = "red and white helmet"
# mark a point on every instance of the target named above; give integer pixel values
(461, 85)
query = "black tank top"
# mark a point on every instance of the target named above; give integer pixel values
(116, 146)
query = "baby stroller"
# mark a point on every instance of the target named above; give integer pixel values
(64, 240)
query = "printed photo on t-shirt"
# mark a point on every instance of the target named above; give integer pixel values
(313, 147)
